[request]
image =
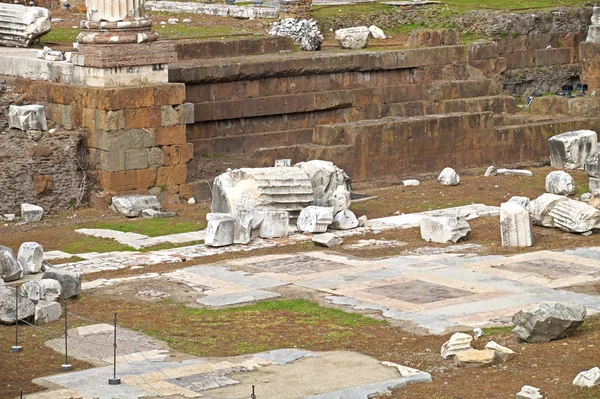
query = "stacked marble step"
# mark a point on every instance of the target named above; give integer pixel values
(21, 25)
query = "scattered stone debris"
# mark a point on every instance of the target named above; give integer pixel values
(344, 220)
(315, 219)
(9, 217)
(548, 321)
(10, 268)
(70, 282)
(560, 183)
(474, 358)
(31, 256)
(529, 392)
(448, 177)
(330, 184)
(362, 221)
(191, 201)
(27, 117)
(328, 240)
(570, 150)
(25, 23)
(588, 379)
(50, 55)
(353, 38)
(503, 353)
(303, 32)
(375, 243)
(442, 229)
(154, 214)
(458, 342)
(515, 225)
(172, 21)
(377, 33)
(132, 206)
(42, 290)
(408, 183)
(492, 171)
(31, 213)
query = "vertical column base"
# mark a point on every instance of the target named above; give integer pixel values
(66, 367)
(114, 381)
(16, 349)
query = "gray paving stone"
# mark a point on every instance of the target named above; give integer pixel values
(284, 356)
(370, 390)
(235, 277)
(347, 279)
(236, 298)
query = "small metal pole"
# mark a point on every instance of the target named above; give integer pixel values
(16, 348)
(115, 380)
(67, 366)
(21, 397)
(253, 396)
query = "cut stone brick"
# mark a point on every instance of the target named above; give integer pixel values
(442, 229)
(515, 225)
(315, 219)
(27, 117)
(570, 150)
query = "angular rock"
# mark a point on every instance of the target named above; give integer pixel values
(154, 214)
(588, 379)
(27, 117)
(529, 392)
(303, 32)
(442, 229)
(47, 312)
(42, 290)
(548, 321)
(458, 342)
(283, 163)
(8, 305)
(22, 25)
(592, 164)
(448, 177)
(411, 182)
(10, 268)
(242, 228)
(132, 206)
(491, 171)
(353, 38)
(515, 225)
(344, 220)
(330, 184)
(219, 230)
(362, 221)
(377, 33)
(502, 352)
(539, 209)
(560, 183)
(315, 219)
(284, 189)
(70, 282)
(31, 213)
(312, 41)
(574, 216)
(328, 240)
(521, 201)
(275, 224)
(31, 256)
(570, 150)
(474, 358)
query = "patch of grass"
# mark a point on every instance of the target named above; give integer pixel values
(181, 30)
(151, 227)
(513, 4)
(93, 244)
(497, 330)
(61, 35)
(350, 11)
(168, 245)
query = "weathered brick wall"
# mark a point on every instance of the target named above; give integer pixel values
(45, 168)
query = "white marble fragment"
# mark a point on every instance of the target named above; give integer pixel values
(47, 312)
(410, 182)
(588, 379)
(31, 256)
(31, 213)
(27, 117)
(275, 224)
(502, 352)
(344, 220)
(448, 177)
(442, 229)
(574, 216)
(353, 38)
(570, 150)
(315, 219)
(457, 343)
(328, 240)
(377, 33)
(515, 225)
(283, 163)
(219, 230)
(539, 209)
(560, 183)
(529, 392)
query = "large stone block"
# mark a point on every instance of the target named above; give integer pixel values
(220, 229)
(515, 225)
(588, 379)
(42, 290)
(574, 216)
(275, 224)
(31, 213)
(448, 177)
(132, 205)
(8, 305)
(47, 312)
(539, 209)
(10, 268)
(315, 219)
(548, 321)
(330, 184)
(443, 229)
(570, 150)
(70, 282)
(21, 25)
(560, 183)
(353, 38)
(27, 117)
(31, 256)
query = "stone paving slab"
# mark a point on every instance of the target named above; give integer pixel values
(236, 298)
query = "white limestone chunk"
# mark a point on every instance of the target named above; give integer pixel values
(588, 379)
(31, 256)
(458, 342)
(515, 225)
(514, 172)
(27, 117)
(315, 219)
(474, 358)
(132, 206)
(219, 230)
(570, 150)
(521, 201)
(31, 213)
(330, 184)
(594, 184)
(491, 171)
(345, 220)
(47, 312)
(353, 38)
(574, 216)
(539, 209)
(328, 240)
(42, 290)
(442, 229)
(275, 224)
(410, 182)
(242, 228)
(502, 352)
(448, 177)
(559, 182)
(10, 268)
(529, 392)
(21, 25)
(377, 33)
(8, 305)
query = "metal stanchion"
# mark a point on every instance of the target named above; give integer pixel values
(67, 366)
(16, 348)
(115, 380)
(252, 395)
